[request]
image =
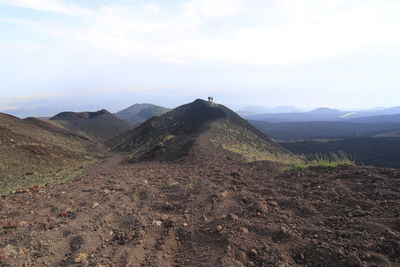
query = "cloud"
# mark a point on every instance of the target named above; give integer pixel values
(230, 31)
(57, 6)
(17, 101)
(9, 108)
(120, 89)
(214, 8)
(152, 8)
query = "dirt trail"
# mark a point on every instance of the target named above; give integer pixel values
(226, 213)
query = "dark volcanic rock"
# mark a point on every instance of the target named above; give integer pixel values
(101, 125)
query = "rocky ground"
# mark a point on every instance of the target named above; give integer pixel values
(212, 211)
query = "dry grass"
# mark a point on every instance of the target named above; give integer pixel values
(321, 161)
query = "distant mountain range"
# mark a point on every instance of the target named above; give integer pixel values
(327, 114)
(282, 122)
(390, 134)
(253, 110)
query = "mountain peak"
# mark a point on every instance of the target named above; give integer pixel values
(79, 115)
(101, 124)
(138, 113)
(325, 110)
(202, 129)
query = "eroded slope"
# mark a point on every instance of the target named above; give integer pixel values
(35, 151)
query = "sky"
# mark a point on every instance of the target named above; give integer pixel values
(90, 54)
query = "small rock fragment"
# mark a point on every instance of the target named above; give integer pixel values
(234, 174)
(170, 222)
(65, 213)
(234, 217)
(224, 194)
(273, 203)
(157, 223)
(284, 230)
(23, 223)
(95, 204)
(219, 228)
(244, 230)
(260, 207)
(107, 192)
(354, 261)
(241, 256)
(123, 238)
(253, 252)
(82, 258)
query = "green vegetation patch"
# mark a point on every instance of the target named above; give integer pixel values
(249, 145)
(41, 175)
(252, 153)
(144, 146)
(321, 161)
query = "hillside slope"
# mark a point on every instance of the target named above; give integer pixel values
(100, 125)
(201, 129)
(138, 113)
(34, 151)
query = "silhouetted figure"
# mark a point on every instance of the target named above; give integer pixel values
(210, 98)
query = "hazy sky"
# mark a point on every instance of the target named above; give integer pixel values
(112, 53)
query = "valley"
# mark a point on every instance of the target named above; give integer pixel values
(367, 151)
(371, 140)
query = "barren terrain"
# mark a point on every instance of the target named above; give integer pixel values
(199, 186)
(216, 211)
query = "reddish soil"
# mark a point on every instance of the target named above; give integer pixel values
(207, 211)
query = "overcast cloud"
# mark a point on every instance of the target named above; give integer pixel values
(307, 53)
